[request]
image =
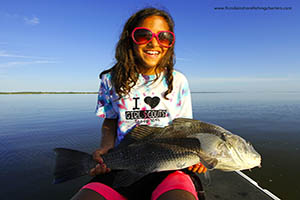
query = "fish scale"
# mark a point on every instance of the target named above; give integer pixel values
(162, 151)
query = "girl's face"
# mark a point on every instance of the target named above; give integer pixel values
(151, 53)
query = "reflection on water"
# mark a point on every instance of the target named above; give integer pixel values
(32, 125)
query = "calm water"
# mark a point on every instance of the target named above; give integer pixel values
(32, 125)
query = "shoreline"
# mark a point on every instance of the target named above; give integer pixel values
(5, 93)
(48, 93)
(192, 92)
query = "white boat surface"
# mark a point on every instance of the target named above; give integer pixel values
(233, 186)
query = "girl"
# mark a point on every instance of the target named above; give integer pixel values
(141, 88)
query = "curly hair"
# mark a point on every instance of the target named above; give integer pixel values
(125, 72)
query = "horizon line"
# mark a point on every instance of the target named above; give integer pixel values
(89, 92)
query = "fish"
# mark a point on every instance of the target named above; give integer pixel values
(183, 143)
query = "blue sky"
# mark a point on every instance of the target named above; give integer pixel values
(55, 45)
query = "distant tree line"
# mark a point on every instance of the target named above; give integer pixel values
(48, 92)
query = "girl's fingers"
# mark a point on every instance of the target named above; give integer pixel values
(97, 157)
(99, 169)
(201, 169)
(195, 168)
(92, 172)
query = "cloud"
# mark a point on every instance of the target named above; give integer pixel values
(24, 60)
(21, 63)
(9, 55)
(9, 15)
(182, 59)
(32, 21)
(25, 19)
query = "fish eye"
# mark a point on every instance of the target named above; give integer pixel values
(223, 136)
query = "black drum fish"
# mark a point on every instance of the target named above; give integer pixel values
(147, 149)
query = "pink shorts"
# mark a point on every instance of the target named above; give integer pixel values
(175, 181)
(106, 191)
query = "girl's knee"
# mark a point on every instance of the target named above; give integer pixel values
(176, 195)
(97, 191)
(175, 185)
(87, 194)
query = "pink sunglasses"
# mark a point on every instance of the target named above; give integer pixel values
(142, 35)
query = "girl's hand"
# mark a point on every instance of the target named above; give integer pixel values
(199, 168)
(101, 167)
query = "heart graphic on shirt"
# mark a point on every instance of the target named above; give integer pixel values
(152, 101)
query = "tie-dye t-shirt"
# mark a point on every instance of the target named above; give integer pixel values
(145, 103)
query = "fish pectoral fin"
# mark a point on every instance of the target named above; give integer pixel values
(207, 178)
(209, 163)
(126, 178)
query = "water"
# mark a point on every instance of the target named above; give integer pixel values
(32, 125)
(270, 121)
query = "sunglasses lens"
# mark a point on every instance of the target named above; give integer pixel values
(142, 36)
(166, 38)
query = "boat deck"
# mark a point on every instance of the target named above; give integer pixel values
(232, 186)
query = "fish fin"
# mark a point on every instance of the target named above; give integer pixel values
(182, 127)
(207, 178)
(183, 120)
(185, 123)
(71, 164)
(196, 126)
(126, 177)
(209, 163)
(128, 139)
(142, 131)
(192, 122)
(138, 133)
(178, 128)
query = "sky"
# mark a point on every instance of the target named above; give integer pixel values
(221, 45)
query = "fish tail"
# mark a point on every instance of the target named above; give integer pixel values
(71, 164)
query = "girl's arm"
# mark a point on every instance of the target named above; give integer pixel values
(109, 132)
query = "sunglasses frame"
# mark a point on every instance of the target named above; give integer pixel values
(153, 35)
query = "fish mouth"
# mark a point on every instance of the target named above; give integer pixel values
(259, 166)
(248, 158)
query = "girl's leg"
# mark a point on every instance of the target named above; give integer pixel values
(86, 194)
(177, 185)
(176, 195)
(97, 191)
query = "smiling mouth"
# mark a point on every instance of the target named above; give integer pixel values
(152, 53)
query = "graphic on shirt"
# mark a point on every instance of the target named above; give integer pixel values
(136, 103)
(152, 102)
(142, 114)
